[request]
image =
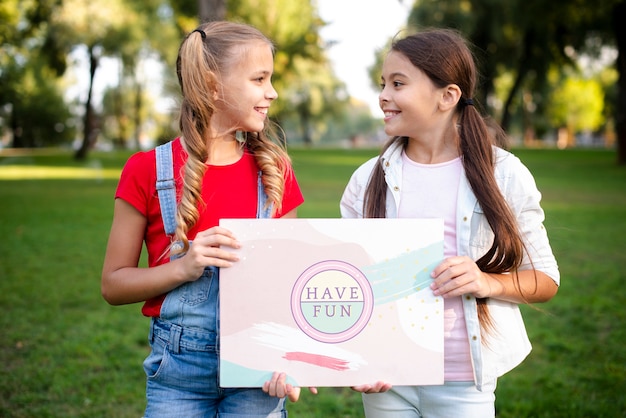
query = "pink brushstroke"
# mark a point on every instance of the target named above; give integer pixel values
(318, 360)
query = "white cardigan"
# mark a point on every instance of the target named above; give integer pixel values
(508, 345)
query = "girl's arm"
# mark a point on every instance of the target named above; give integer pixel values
(457, 276)
(124, 282)
(534, 287)
(293, 213)
(538, 277)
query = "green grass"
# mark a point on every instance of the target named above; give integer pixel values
(65, 353)
(578, 365)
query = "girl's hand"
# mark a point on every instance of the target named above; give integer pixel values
(377, 387)
(278, 387)
(457, 276)
(206, 251)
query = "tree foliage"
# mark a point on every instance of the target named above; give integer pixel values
(119, 28)
(519, 42)
(308, 89)
(42, 35)
(31, 104)
(527, 38)
(302, 74)
(578, 104)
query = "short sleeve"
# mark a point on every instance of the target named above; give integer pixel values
(292, 197)
(137, 181)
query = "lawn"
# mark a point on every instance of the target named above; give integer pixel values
(65, 353)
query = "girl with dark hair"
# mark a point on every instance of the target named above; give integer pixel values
(445, 161)
(227, 163)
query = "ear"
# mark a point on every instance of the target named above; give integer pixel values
(451, 94)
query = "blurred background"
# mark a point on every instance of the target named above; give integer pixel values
(99, 74)
(85, 83)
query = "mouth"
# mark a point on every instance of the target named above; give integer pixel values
(262, 110)
(390, 114)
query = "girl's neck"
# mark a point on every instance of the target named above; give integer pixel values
(223, 150)
(437, 145)
(431, 153)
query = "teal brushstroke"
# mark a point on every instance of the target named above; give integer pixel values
(404, 275)
(235, 375)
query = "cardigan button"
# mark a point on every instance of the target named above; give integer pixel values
(396, 188)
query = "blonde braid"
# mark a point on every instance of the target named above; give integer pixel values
(202, 54)
(274, 163)
(198, 81)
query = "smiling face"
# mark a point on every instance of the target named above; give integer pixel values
(408, 98)
(246, 90)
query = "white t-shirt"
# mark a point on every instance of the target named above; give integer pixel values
(430, 191)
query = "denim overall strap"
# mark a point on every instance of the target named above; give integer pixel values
(166, 187)
(187, 332)
(194, 304)
(262, 211)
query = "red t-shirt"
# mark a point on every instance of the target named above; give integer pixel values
(228, 191)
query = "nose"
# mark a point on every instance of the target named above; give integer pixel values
(382, 98)
(271, 93)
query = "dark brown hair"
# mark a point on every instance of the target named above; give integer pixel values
(445, 57)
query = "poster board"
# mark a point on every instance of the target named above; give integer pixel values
(332, 302)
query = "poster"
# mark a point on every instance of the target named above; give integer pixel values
(332, 302)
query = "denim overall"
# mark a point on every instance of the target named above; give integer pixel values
(183, 368)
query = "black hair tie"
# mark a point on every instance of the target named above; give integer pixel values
(201, 32)
(467, 102)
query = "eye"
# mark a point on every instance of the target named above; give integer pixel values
(397, 84)
(382, 86)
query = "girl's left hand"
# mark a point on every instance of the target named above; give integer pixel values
(377, 387)
(278, 387)
(457, 276)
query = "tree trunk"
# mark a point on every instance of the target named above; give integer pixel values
(89, 138)
(522, 72)
(210, 10)
(16, 129)
(505, 122)
(305, 127)
(619, 17)
(138, 109)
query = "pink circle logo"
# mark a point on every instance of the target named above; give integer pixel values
(332, 301)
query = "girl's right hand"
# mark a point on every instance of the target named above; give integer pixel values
(123, 281)
(278, 386)
(206, 250)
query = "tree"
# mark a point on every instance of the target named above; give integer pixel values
(577, 104)
(210, 10)
(39, 116)
(26, 80)
(302, 73)
(102, 27)
(151, 38)
(311, 95)
(619, 17)
(511, 35)
(526, 37)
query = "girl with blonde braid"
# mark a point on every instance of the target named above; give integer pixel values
(225, 164)
(444, 161)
